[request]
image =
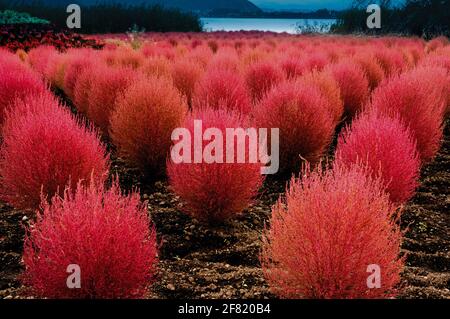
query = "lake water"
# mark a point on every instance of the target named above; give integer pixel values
(275, 25)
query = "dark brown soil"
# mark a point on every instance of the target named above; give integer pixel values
(221, 261)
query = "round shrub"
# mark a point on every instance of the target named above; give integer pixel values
(220, 190)
(326, 232)
(222, 89)
(353, 85)
(107, 234)
(56, 69)
(75, 66)
(106, 86)
(45, 151)
(260, 78)
(156, 66)
(82, 89)
(325, 82)
(390, 60)
(40, 57)
(185, 75)
(372, 69)
(415, 97)
(301, 113)
(143, 121)
(292, 66)
(17, 82)
(387, 148)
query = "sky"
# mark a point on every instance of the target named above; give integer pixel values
(304, 4)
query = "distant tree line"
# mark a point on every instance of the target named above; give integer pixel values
(318, 14)
(112, 18)
(424, 18)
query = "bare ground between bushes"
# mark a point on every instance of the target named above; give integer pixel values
(200, 261)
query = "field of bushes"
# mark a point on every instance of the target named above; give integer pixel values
(359, 207)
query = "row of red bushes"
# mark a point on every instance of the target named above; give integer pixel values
(49, 159)
(28, 36)
(397, 101)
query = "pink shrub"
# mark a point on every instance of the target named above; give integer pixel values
(328, 86)
(41, 104)
(82, 89)
(105, 233)
(222, 90)
(323, 236)
(40, 57)
(219, 190)
(372, 69)
(76, 65)
(106, 86)
(353, 85)
(17, 83)
(185, 75)
(292, 66)
(260, 78)
(391, 61)
(143, 121)
(156, 67)
(55, 71)
(301, 113)
(411, 95)
(387, 148)
(225, 60)
(436, 43)
(45, 151)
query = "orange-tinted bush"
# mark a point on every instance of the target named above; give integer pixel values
(330, 89)
(301, 113)
(143, 121)
(107, 85)
(326, 232)
(353, 85)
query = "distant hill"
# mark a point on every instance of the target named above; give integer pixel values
(199, 6)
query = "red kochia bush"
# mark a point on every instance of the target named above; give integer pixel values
(75, 66)
(326, 232)
(353, 85)
(17, 82)
(143, 121)
(215, 192)
(301, 113)
(330, 90)
(185, 75)
(222, 89)
(372, 69)
(387, 148)
(82, 89)
(44, 151)
(107, 84)
(416, 98)
(105, 233)
(40, 57)
(260, 78)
